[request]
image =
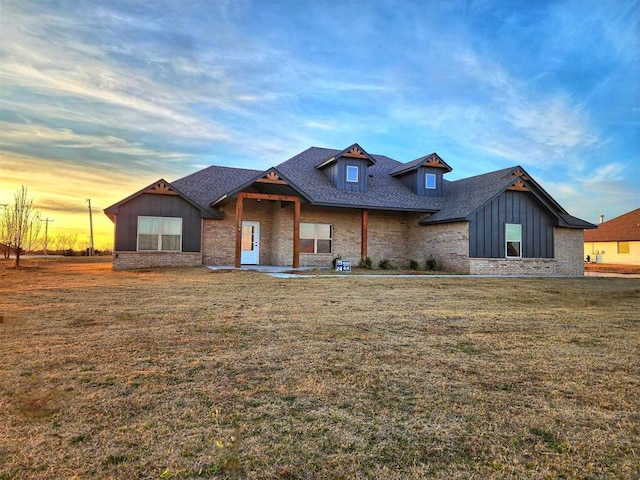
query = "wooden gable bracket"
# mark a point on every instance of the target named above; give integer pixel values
(518, 186)
(272, 177)
(355, 152)
(162, 189)
(519, 173)
(434, 161)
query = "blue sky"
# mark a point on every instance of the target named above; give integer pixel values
(99, 99)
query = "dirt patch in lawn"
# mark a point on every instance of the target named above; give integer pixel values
(180, 373)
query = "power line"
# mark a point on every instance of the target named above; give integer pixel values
(91, 227)
(46, 234)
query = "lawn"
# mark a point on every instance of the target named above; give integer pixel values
(188, 373)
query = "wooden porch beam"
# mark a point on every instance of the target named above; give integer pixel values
(268, 196)
(296, 233)
(238, 250)
(364, 232)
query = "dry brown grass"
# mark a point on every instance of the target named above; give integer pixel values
(189, 373)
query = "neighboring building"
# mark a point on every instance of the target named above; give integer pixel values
(325, 203)
(615, 241)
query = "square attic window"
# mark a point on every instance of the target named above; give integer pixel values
(352, 173)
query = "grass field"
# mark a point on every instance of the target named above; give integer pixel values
(189, 373)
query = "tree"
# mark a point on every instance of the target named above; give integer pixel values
(20, 224)
(65, 242)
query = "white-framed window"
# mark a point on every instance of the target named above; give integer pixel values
(513, 240)
(430, 181)
(316, 238)
(160, 234)
(352, 173)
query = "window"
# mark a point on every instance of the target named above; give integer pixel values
(513, 239)
(430, 181)
(160, 234)
(623, 247)
(352, 174)
(316, 237)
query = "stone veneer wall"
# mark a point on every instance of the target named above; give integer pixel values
(513, 266)
(448, 243)
(133, 260)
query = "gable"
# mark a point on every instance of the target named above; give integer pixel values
(159, 188)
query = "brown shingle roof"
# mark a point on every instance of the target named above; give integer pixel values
(625, 228)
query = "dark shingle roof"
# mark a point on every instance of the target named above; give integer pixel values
(208, 185)
(460, 198)
(465, 196)
(625, 228)
(407, 167)
(383, 191)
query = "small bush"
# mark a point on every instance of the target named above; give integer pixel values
(366, 263)
(385, 264)
(431, 263)
(413, 265)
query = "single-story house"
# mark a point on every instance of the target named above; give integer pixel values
(615, 241)
(325, 203)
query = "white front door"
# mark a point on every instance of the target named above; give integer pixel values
(250, 243)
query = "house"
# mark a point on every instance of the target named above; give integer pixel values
(324, 203)
(615, 241)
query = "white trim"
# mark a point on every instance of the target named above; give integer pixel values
(251, 257)
(426, 181)
(357, 174)
(159, 234)
(507, 240)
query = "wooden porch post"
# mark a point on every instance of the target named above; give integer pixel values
(364, 227)
(239, 206)
(296, 233)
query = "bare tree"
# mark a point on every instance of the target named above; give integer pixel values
(22, 223)
(69, 242)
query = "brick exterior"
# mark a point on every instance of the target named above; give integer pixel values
(568, 244)
(396, 236)
(133, 260)
(448, 243)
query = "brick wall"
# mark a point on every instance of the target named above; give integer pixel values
(512, 266)
(568, 245)
(448, 243)
(218, 236)
(133, 260)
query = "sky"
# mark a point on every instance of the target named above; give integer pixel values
(99, 99)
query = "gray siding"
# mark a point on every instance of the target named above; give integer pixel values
(414, 180)
(428, 192)
(337, 173)
(154, 205)
(487, 226)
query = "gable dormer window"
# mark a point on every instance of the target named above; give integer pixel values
(430, 181)
(352, 174)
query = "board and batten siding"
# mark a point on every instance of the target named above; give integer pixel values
(415, 181)
(487, 227)
(156, 205)
(337, 173)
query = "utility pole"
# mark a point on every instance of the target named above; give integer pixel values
(91, 227)
(46, 234)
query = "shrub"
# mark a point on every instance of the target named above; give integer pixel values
(366, 263)
(431, 262)
(385, 264)
(413, 265)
